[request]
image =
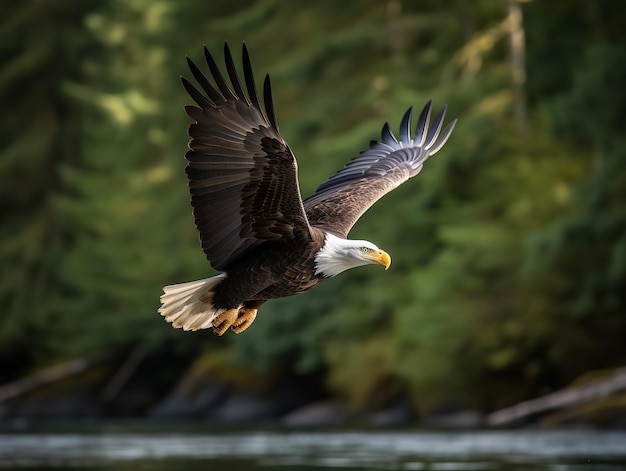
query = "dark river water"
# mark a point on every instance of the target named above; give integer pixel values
(272, 450)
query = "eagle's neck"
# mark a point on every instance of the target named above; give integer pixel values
(338, 255)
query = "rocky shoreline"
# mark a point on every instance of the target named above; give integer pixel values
(98, 391)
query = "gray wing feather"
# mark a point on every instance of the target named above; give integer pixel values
(339, 202)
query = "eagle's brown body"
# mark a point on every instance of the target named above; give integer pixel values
(275, 272)
(254, 227)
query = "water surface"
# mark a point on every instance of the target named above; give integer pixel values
(320, 451)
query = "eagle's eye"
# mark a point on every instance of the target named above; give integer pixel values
(366, 249)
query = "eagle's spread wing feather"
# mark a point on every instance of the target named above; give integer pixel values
(343, 198)
(242, 175)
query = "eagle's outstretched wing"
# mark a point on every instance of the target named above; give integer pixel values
(339, 202)
(242, 175)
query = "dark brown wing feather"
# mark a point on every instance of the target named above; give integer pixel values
(242, 175)
(343, 198)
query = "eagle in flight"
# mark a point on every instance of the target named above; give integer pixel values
(254, 227)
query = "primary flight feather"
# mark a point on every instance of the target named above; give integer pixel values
(254, 226)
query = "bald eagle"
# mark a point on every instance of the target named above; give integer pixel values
(254, 227)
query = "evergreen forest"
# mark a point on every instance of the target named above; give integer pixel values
(509, 249)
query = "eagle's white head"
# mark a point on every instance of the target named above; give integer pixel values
(337, 255)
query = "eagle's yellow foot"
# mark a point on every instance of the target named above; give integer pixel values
(222, 322)
(244, 320)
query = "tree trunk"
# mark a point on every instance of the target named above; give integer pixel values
(517, 48)
(46, 376)
(559, 399)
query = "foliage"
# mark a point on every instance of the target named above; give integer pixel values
(39, 132)
(509, 249)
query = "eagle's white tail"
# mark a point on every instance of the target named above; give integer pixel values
(188, 305)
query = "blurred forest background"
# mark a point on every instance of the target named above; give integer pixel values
(509, 273)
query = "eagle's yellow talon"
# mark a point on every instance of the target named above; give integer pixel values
(244, 320)
(222, 322)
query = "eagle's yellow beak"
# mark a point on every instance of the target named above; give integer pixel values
(379, 256)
